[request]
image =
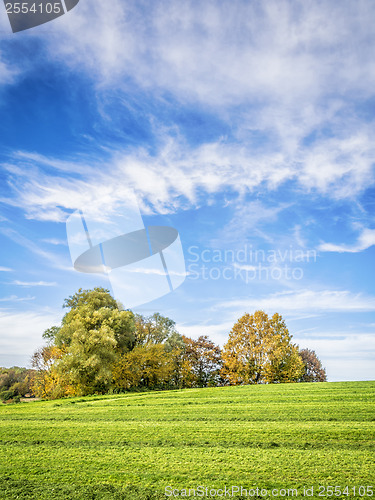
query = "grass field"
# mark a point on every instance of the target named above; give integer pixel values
(133, 446)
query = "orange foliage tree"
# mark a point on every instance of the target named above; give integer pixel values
(259, 350)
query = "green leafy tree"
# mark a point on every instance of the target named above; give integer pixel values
(259, 350)
(97, 298)
(93, 310)
(50, 334)
(82, 351)
(154, 329)
(93, 333)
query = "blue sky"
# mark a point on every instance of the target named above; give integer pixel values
(248, 126)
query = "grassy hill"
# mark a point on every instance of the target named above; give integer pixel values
(133, 446)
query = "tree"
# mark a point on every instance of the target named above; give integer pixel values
(92, 334)
(174, 345)
(97, 298)
(161, 330)
(89, 358)
(259, 350)
(80, 354)
(153, 329)
(15, 382)
(148, 366)
(50, 334)
(48, 382)
(313, 370)
(203, 358)
(95, 310)
(99, 346)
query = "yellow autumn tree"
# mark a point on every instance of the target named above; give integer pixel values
(149, 366)
(259, 350)
(48, 382)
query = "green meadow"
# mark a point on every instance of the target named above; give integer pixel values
(134, 445)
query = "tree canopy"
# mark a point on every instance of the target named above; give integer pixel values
(100, 346)
(204, 359)
(153, 329)
(15, 382)
(312, 367)
(259, 350)
(83, 349)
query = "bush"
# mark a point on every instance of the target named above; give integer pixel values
(16, 381)
(7, 394)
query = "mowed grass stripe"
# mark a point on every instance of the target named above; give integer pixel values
(242, 434)
(290, 435)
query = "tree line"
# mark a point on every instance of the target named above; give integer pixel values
(100, 347)
(15, 382)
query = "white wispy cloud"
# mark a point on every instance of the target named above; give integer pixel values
(365, 240)
(33, 283)
(327, 164)
(304, 300)
(282, 60)
(248, 218)
(345, 355)
(5, 269)
(218, 333)
(31, 158)
(177, 176)
(245, 267)
(15, 298)
(54, 241)
(282, 75)
(8, 72)
(22, 331)
(222, 55)
(158, 272)
(48, 257)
